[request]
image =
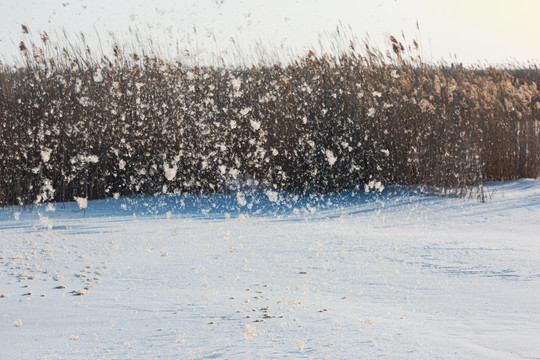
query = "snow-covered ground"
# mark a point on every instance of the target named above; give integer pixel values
(357, 276)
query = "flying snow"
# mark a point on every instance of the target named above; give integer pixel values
(82, 202)
(330, 157)
(46, 155)
(245, 111)
(170, 172)
(256, 125)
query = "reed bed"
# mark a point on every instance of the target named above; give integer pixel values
(79, 125)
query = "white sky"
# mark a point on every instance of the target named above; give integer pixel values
(474, 31)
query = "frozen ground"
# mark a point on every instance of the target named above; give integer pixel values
(391, 275)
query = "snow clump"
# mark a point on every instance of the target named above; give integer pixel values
(82, 202)
(92, 159)
(46, 155)
(170, 172)
(256, 125)
(245, 111)
(374, 185)
(272, 196)
(330, 157)
(240, 198)
(250, 332)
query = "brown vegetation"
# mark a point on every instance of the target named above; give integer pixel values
(75, 125)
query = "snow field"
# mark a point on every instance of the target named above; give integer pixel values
(399, 276)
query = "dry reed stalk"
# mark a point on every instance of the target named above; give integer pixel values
(77, 125)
